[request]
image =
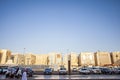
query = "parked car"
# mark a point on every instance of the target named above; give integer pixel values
(48, 71)
(106, 71)
(118, 70)
(62, 70)
(52, 69)
(18, 73)
(114, 70)
(29, 71)
(4, 70)
(1, 70)
(84, 71)
(10, 72)
(74, 70)
(94, 70)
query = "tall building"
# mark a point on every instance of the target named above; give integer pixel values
(103, 58)
(4, 55)
(87, 59)
(18, 58)
(65, 61)
(74, 59)
(41, 59)
(55, 60)
(115, 58)
(30, 59)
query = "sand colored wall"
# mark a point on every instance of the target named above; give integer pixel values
(115, 58)
(4, 55)
(41, 59)
(103, 58)
(87, 59)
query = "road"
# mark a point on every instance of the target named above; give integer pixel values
(73, 77)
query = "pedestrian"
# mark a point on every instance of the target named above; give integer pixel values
(24, 75)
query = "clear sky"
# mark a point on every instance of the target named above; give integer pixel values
(43, 26)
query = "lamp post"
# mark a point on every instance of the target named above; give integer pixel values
(24, 56)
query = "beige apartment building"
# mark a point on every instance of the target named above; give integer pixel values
(87, 59)
(18, 59)
(30, 59)
(54, 59)
(115, 56)
(4, 56)
(65, 61)
(103, 58)
(74, 59)
(41, 59)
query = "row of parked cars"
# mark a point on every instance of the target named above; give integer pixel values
(100, 70)
(86, 70)
(3, 69)
(62, 70)
(16, 71)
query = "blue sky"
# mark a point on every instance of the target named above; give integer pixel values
(43, 26)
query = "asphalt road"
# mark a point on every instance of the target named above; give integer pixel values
(54, 73)
(68, 77)
(38, 75)
(57, 73)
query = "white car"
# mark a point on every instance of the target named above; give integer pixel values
(63, 71)
(5, 69)
(95, 70)
(74, 70)
(84, 71)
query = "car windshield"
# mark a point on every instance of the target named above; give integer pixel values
(62, 68)
(48, 69)
(84, 69)
(28, 68)
(74, 68)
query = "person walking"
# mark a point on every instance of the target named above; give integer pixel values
(24, 75)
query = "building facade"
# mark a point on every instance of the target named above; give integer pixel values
(103, 58)
(74, 59)
(4, 56)
(18, 59)
(115, 56)
(87, 59)
(41, 59)
(55, 59)
(65, 61)
(30, 59)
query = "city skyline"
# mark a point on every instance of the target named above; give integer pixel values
(84, 58)
(62, 26)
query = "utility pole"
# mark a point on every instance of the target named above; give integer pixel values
(69, 64)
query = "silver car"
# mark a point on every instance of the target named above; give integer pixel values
(63, 71)
(84, 71)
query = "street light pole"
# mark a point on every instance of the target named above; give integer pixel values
(24, 51)
(24, 56)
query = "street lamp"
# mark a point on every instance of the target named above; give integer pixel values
(24, 56)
